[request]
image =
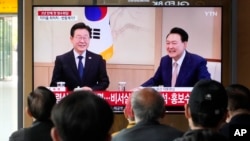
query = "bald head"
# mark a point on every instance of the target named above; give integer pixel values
(148, 104)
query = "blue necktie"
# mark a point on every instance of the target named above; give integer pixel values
(80, 66)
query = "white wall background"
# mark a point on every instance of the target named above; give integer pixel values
(133, 32)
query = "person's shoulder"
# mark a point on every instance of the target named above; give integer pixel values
(171, 129)
(182, 139)
(45, 124)
(65, 54)
(166, 58)
(121, 134)
(92, 55)
(214, 136)
(240, 119)
(224, 126)
(224, 130)
(18, 135)
(115, 133)
(204, 135)
(194, 56)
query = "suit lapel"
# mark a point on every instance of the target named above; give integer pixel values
(169, 71)
(184, 69)
(88, 63)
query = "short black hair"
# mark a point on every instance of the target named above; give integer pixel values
(83, 115)
(238, 97)
(208, 103)
(181, 32)
(79, 25)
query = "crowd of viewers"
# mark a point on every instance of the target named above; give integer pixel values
(212, 111)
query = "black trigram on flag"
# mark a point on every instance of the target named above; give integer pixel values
(96, 33)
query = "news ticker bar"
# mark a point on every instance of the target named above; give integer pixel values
(172, 97)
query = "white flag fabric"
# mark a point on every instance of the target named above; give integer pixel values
(101, 39)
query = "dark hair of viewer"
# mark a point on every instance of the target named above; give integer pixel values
(41, 102)
(83, 115)
(238, 97)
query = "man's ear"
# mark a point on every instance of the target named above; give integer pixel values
(133, 113)
(54, 134)
(187, 111)
(226, 117)
(28, 111)
(125, 113)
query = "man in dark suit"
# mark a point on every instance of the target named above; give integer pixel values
(238, 112)
(39, 106)
(190, 67)
(88, 72)
(148, 106)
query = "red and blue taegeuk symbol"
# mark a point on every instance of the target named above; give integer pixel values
(95, 13)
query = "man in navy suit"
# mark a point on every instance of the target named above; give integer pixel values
(93, 67)
(190, 68)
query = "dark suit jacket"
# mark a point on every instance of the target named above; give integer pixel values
(148, 131)
(39, 131)
(240, 120)
(193, 69)
(202, 135)
(95, 74)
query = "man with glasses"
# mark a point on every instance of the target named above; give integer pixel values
(80, 68)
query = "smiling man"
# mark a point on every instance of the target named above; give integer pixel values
(80, 67)
(179, 68)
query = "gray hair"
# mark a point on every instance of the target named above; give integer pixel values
(148, 104)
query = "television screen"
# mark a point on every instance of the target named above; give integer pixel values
(131, 39)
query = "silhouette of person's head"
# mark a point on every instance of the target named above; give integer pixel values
(40, 103)
(207, 104)
(82, 115)
(147, 104)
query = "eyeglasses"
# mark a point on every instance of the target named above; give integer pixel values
(79, 38)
